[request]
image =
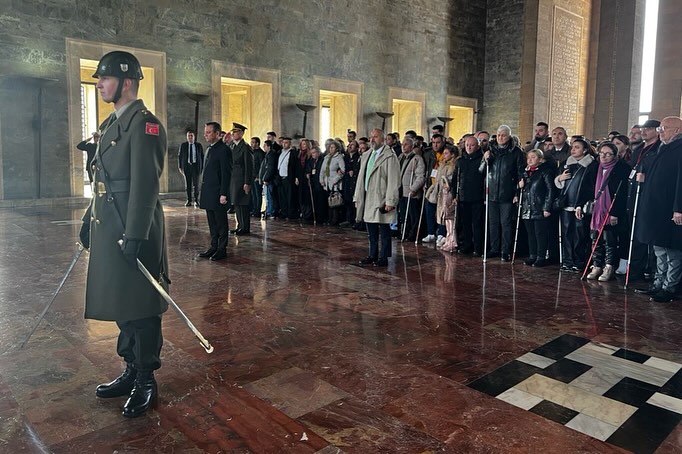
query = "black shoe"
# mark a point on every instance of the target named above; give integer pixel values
(505, 258)
(650, 290)
(577, 269)
(142, 397)
(476, 254)
(119, 387)
(208, 253)
(241, 232)
(233, 231)
(367, 261)
(493, 255)
(663, 296)
(381, 262)
(530, 260)
(541, 262)
(565, 268)
(218, 256)
(188, 203)
(464, 251)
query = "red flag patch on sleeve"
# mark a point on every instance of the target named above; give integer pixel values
(152, 129)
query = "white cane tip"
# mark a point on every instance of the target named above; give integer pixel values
(208, 349)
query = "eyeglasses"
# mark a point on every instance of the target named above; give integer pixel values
(605, 153)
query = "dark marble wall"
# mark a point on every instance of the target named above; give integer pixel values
(436, 47)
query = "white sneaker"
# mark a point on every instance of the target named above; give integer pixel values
(429, 239)
(440, 241)
(622, 267)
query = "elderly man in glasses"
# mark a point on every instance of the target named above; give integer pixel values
(661, 210)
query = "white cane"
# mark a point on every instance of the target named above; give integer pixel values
(487, 211)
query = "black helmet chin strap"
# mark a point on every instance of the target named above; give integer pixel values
(119, 90)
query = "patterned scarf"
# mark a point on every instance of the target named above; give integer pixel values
(603, 201)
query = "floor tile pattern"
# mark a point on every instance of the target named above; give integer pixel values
(612, 394)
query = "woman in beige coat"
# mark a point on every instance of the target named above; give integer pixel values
(435, 193)
(331, 177)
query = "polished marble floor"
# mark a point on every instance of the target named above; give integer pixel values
(436, 353)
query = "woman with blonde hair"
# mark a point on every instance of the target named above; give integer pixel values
(331, 177)
(440, 194)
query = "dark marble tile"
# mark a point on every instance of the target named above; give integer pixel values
(554, 412)
(504, 378)
(673, 387)
(565, 370)
(646, 429)
(561, 346)
(631, 391)
(632, 356)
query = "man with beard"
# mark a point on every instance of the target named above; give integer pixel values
(541, 133)
(505, 166)
(635, 136)
(661, 210)
(376, 196)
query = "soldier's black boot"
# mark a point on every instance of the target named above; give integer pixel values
(143, 395)
(119, 387)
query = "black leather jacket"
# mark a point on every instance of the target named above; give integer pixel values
(538, 192)
(580, 188)
(507, 165)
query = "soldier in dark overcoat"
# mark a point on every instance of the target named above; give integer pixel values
(124, 223)
(242, 179)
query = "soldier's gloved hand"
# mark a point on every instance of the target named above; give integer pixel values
(131, 249)
(84, 235)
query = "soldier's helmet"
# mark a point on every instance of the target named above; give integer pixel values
(123, 65)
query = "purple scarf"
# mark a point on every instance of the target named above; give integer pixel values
(603, 203)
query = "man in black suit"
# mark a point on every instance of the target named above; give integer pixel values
(242, 179)
(190, 164)
(215, 187)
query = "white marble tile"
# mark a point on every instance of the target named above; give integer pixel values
(536, 360)
(615, 365)
(667, 402)
(599, 407)
(592, 427)
(519, 398)
(602, 348)
(597, 380)
(663, 364)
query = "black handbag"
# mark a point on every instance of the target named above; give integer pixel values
(588, 207)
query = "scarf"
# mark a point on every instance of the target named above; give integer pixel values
(602, 202)
(329, 163)
(530, 170)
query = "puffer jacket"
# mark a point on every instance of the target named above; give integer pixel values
(580, 188)
(538, 192)
(468, 183)
(506, 169)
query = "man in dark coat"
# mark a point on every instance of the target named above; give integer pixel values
(89, 147)
(257, 188)
(506, 166)
(215, 190)
(190, 163)
(661, 210)
(242, 179)
(124, 223)
(468, 189)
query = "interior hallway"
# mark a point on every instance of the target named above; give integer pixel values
(314, 354)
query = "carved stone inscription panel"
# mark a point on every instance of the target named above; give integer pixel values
(565, 71)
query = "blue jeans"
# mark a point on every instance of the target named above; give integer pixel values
(432, 226)
(269, 199)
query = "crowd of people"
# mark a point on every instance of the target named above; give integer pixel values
(576, 200)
